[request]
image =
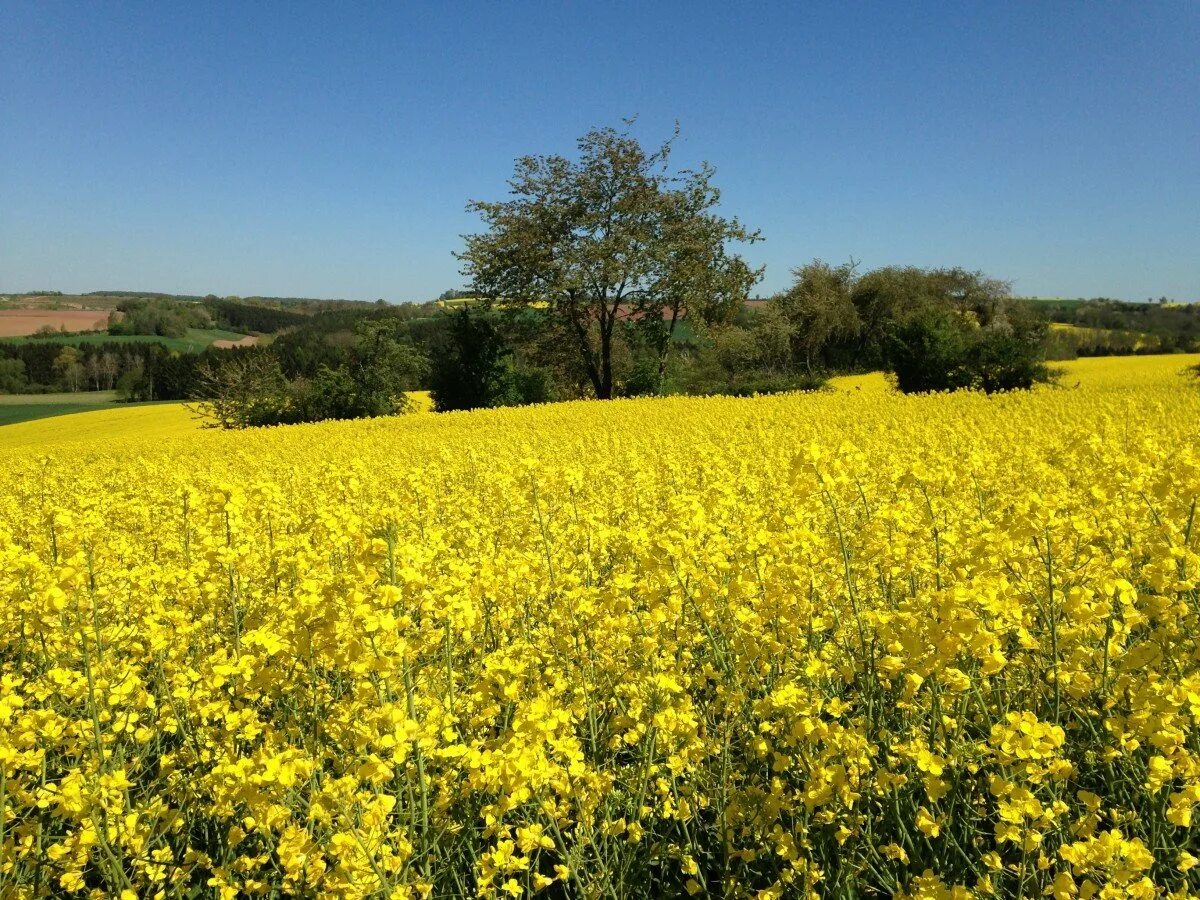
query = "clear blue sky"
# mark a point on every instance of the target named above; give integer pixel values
(329, 149)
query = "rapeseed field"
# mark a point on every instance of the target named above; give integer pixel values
(841, 644)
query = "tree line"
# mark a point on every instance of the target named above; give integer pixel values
(159, 317)
(1106, 327)
(251, 317)
(137, 372)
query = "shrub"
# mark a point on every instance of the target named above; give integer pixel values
(927, 353)
(643, 379)
(528, 384)
(474, 368)
(1000, 360)
(250, 388)
(246, 390)
(941, 349)
(12, 376)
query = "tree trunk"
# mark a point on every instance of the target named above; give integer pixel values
(665, 348)
(589, 362)
(604, 392)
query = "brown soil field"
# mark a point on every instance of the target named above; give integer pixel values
(248, 341)
(21, 322)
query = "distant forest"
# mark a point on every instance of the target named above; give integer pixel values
(479, 355)
(1106, 327)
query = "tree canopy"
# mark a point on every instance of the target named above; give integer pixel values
(612, 236)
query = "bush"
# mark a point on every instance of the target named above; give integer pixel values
(338, 394)
(12, 376)
(250, 389)
(135, 386)
(941, 349)
(466, 367)
(1000, 360)
(474, 368)
(928, 353)
(528, 384)
(246, 390)
(643, 379)
(740, 362)
(331, 395)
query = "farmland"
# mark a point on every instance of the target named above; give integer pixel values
(100, 301)
(16, 408)
(809, 644)
(89, 422)
(21, 322)
(195, 340)
(87, 419)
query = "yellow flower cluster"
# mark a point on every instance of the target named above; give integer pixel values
(848, 643)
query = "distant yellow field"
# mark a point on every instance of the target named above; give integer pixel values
(99, 427)
(1084, 335)
(170, 420)
(422, 402)
(874, 382)
(1097, 371)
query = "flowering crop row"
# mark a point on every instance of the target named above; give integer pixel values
(833, 644)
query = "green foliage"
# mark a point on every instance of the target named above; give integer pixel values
(941, 349)
(12, 376)
(927, 352)
(1103, 327)
(104, 361)
(474, 367)
(818, 309)
(644, 377)
(881, 298)
(468, 371)
(245, 391)
(135, 385)
(934, 329)
(382, 370)
(326, 337)
(756, 358)
(1001, 360)
(1072, 342)
(248, 388)
(333, 394)
(1009, 354)
(609, 237)
(247, 317)
(158, 316)
(69, 369)
(530, 384)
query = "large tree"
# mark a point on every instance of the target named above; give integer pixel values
(612, 236)
(819, 308)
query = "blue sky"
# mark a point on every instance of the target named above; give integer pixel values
(329, 149)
